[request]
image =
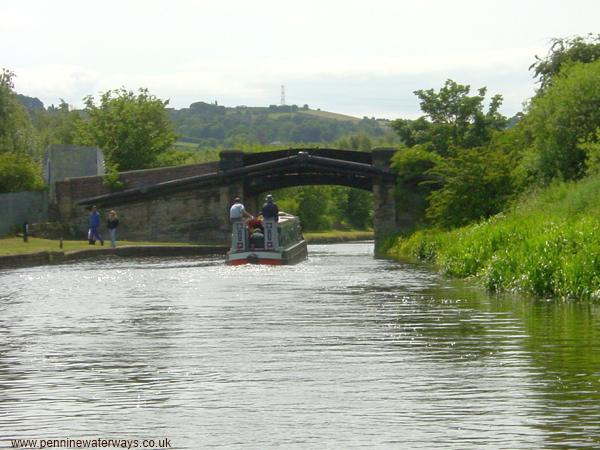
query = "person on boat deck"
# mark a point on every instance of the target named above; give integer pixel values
(270, 210)
(237, 212)
(257, 238)
(256, 224)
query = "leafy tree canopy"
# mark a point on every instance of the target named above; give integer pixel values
(453, 119)
(57, 125)
(563, 117)
(476, 185)
(16, 132)
(584, 49)
(18, 172)
(131, 129)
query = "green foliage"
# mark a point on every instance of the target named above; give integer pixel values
(476, 185)
(453, 119)
(565, 51)
(16, 132)
(413, 166)
(211, 126)
(360, 142)
(18, 172)
(322, 207)
(111, 178)
(465, 186)
(176, 157)
(565, 115)
(591, 148)
(548, 245)
(357, 208)
(449, 168)
(18, 144)
(132, 130)
(414, 179)
(57, 125)
(312, 209)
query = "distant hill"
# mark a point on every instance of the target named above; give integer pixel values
(212, 125)
(209, 125)
(30, 103)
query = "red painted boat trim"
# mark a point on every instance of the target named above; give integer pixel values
(267, 261)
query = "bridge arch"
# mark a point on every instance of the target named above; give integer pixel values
(250, 174)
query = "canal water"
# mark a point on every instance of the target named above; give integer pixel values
(342, 351)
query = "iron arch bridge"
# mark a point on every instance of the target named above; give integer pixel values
(250, 174)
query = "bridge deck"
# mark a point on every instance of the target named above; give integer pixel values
(299, 168)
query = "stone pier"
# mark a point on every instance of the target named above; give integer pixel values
(384, 203)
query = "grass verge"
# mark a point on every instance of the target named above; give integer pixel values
(16, 246)
(548, 245)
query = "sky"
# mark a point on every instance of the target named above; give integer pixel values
(362, 58)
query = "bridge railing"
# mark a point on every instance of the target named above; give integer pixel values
(344, 155)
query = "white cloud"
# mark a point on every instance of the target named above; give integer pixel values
(256, 82)
(351, 56)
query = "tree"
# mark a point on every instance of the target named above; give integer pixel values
(355, 142)
(358, 208)
(18, 172)
(561, 118)
(453, 119)
(564, 51)
(477, 183)
(57, 125)
(18, 145)
(414, 181)
(132, 130)
(313, 208)
(16, 132)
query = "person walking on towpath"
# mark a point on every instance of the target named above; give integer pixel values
(112, 223)
(93, 233)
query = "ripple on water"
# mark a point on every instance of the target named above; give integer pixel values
(344, 351)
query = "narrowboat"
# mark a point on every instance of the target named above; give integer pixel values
(267, 242)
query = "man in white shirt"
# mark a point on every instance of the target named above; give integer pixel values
(237, 212)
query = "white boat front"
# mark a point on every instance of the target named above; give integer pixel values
(267, 241)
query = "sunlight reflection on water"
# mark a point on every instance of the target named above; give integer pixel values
(343, 350)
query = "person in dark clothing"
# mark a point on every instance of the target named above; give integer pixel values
(270, 211)
(93, 233)
(112, 223)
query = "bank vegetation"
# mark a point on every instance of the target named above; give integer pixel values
(512, 202)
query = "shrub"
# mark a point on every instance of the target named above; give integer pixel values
(477, 184)
(18, 172)
(548, 245)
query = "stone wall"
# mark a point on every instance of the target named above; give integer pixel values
(19, 207)
(198, 216)
(68, 192)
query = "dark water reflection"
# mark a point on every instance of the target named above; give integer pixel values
(343, 351)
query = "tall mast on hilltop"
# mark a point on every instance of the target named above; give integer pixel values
(282, 95)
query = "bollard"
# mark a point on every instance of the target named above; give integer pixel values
(60, 243)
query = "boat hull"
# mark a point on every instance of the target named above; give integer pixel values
(291, 255)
